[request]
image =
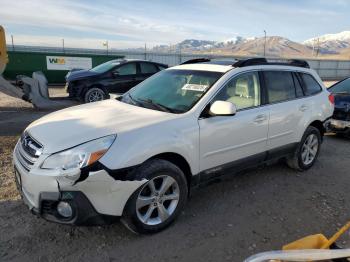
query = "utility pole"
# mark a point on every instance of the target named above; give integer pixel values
(265, 44)
(13, 46)
(180, 58)
(318, 47)
(106, 45)
(145, 51)
(63, 45)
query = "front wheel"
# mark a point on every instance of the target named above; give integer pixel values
(159, 201)
(94, 94)
(307, 151)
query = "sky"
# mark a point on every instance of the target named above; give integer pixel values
(132, 23)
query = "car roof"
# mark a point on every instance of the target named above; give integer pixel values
(126, 60)
(206, 64)
(205, 67)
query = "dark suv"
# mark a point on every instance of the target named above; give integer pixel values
(116, 76)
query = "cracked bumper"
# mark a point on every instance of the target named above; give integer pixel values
(96, 200)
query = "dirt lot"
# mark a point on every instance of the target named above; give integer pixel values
(227, 221)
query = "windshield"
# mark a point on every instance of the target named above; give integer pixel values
(175, 91)
(104, 67)
(341, 87)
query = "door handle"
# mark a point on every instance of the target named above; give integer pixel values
(260, 119)
(303, 108)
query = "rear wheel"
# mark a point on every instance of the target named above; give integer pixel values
(159, 201)
(94, 94)
(307, 151)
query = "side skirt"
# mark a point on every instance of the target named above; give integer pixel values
(244, 164)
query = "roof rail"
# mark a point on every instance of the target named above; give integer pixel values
(196, 60)
(299, 63)
(250, 62)
(264, 61)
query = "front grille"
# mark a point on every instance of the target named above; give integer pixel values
(341, 115)
(27, 151)
(48, 207)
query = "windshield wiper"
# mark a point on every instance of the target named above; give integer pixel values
(158, 106)
(133, 99)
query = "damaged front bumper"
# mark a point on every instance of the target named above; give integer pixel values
(99, 198)
(335, 125)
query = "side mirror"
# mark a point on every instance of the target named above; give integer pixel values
(115, 73)
(222, 108)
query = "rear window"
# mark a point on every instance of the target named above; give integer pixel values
(310, 84)
(148, 68)
(280, 86)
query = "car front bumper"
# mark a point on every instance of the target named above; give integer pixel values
(98, 199)
(336, 125)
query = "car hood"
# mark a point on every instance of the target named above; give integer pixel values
(73, 126)
(76, 75)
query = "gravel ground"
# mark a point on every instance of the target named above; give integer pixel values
(230, 220)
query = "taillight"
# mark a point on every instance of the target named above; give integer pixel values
(331, 98)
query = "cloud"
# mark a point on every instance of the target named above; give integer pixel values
(75, 42)
(135, 22)
(88, 18)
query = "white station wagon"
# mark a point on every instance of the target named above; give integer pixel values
(137, 156)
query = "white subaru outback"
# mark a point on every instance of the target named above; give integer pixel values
(137, 156)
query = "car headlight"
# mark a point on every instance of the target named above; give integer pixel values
(79, 156)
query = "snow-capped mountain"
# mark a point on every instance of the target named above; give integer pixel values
(203, 45)
(276, 46)
(330, 45)
(330, 42)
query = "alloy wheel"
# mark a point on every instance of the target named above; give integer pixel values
(95, 96)
(309, 149)
(157, 200)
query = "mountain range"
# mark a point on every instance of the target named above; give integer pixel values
(335, 46)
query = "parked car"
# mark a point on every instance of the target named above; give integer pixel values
(340, 122)
(73, 70)
(138, 156)
(116, 76)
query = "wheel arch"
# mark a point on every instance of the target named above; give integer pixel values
(179, 161)
(319, 125)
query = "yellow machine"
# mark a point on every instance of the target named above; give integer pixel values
(311, 248)
(33, 89)
(3, 52)
(318, 241)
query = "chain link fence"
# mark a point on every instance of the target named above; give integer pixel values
(327, 69)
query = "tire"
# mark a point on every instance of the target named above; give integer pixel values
(306, 152)
(95, 94)
(144, 218)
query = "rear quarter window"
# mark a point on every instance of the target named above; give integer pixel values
(311, 86)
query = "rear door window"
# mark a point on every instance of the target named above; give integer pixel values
(310, 84)
(279, 85)
(148, 68)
